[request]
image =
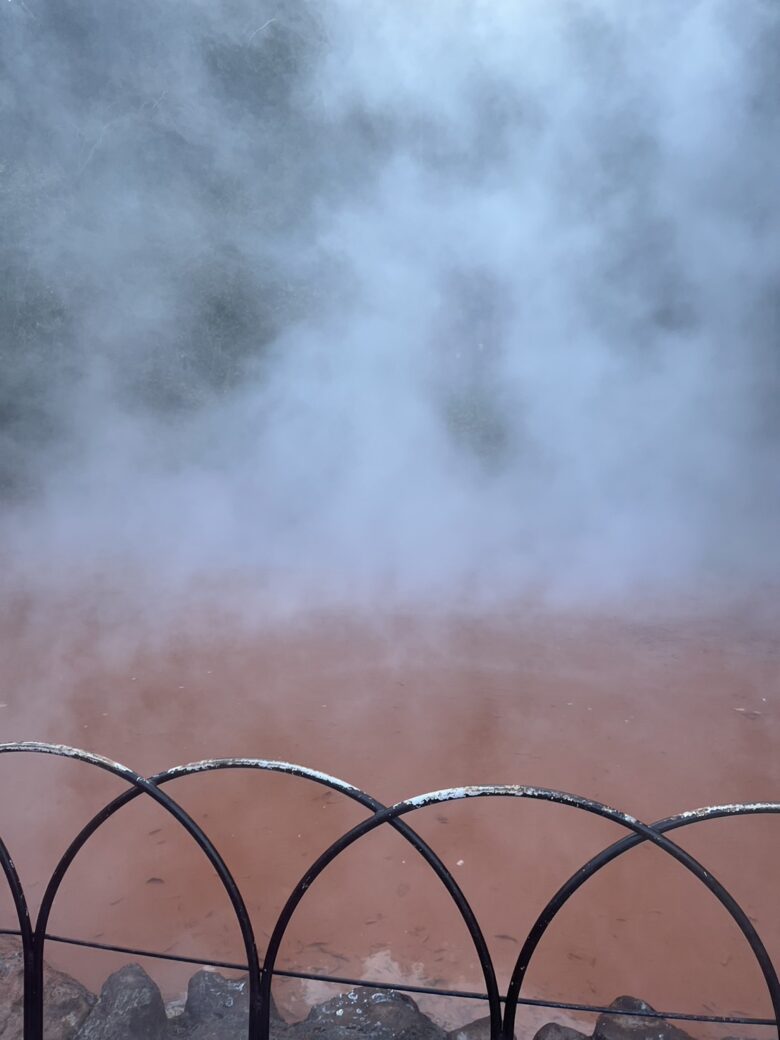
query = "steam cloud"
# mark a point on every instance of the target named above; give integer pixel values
(410, 298)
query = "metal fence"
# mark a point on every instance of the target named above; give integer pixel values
(502, 1007)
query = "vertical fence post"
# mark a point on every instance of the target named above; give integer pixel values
(30, 999)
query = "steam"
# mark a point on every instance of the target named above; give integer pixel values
(398, 299)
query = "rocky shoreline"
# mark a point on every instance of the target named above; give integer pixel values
(130, 1006)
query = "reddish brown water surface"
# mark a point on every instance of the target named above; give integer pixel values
(652, 715)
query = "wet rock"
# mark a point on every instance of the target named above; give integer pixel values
(629, 1027)
(477, 1030)
(380, 1014)
(555, 1031)
(66, 1002)
(66, 1005)
(217, 1008)
(11, 990)
(130, 1007)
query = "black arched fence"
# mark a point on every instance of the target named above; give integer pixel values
(502, 1007)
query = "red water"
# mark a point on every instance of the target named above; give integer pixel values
(650, 715)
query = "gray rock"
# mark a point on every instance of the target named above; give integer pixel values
(555, 1031)
(628, 1027)
(479, 1029)
(66, 1003)
(380, 1014)
(218, 1009)
(130, 1007)
(476, 1030)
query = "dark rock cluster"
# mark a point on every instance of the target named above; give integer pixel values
(131, 1007)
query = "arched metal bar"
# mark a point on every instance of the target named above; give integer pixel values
(536, 793)
(364, 799)
(33, 1025)
(17, 893)
(567, 890)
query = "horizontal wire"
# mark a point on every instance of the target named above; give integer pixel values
(679, 1016)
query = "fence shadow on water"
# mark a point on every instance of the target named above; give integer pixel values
(502, 1006)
